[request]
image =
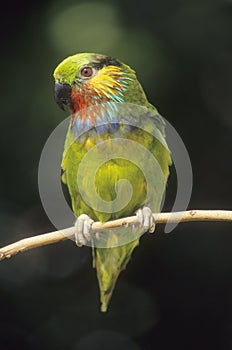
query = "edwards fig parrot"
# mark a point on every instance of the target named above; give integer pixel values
(111, 116)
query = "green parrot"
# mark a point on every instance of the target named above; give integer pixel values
(110, 117)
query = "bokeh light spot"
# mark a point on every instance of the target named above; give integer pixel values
(84, 27)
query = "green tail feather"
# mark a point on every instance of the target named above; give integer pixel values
(109, 262)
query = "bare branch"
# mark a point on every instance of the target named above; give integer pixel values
(57, 236)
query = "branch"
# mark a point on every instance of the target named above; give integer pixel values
(57, 236)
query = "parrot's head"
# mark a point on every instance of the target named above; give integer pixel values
(88, 79)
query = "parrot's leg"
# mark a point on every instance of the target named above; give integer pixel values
(83, 228)
(146, 219)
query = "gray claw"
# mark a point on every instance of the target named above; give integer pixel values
(145, 218)
(83, 228)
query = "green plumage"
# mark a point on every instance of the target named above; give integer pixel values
(109, 262)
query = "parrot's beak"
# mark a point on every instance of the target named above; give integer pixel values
(63, 95)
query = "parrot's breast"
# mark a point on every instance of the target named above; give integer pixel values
(102, 158)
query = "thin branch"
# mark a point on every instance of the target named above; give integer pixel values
(57, 236)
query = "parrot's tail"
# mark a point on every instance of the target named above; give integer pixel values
(109, 262)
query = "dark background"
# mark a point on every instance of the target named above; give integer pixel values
(177, 290)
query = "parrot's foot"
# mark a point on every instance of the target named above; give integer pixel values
(83, 228)
(146, 219)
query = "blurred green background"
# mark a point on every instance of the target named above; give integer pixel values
(177, 290)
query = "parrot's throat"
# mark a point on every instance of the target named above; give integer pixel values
(92, 99)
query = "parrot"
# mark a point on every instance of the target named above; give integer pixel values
(95, 88)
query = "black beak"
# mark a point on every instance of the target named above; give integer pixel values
(63, 95)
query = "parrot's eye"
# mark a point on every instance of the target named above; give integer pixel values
(86, 72)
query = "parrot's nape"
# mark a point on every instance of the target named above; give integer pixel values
(94, 87)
